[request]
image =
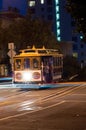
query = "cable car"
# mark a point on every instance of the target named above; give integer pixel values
(37, 65)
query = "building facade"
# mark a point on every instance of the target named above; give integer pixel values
(54, 11)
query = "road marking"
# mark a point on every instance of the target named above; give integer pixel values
(41, 108)
(61, 94)
(21, 114)
(79, 94)
(75, 101)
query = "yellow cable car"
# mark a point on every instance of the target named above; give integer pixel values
(38, 65)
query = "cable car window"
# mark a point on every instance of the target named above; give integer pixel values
(42, 51)
(26, 63)
(55, 61)
(51, 61)
(18, 63)
(35, 63)
(58, 61)
(45, 61)
(28, 51)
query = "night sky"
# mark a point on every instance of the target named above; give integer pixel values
(20, 4)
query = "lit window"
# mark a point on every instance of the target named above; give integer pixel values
(58, 31)
(57, 16)
(31, 3)
(75, 55)
(58, 24)
(59, 38)
(42, 1)
(57, 1)
(57, 8)
(81, 37)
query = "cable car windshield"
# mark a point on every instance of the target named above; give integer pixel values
(35, 63)
(18, 64)
(26, 63)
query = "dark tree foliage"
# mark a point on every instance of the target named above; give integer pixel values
(25, 33)
(71, 67)
(77, 9)
(82, 74)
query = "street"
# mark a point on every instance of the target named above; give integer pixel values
(59, 108)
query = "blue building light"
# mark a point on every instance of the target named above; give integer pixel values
(57, 16)
(57, 2)
(57, 20)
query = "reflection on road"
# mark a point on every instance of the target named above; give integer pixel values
(14, 102)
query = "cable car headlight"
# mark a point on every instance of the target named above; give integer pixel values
(27, 76)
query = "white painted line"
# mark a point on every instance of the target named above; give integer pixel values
(77, 101)
(22, 114)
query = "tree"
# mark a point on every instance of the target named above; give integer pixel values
(77, 9)
(71, 67)
(82, 74)
(30, 32)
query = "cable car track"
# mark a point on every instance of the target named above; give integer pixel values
(39, 102)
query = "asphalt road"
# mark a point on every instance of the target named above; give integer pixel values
(61, 108)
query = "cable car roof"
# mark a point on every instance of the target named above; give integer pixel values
(37, 52)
